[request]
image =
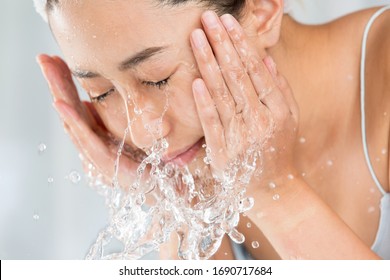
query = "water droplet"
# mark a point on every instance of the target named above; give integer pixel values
(137, 111)
(302, 140)
(74, 177)
(94, 36)
(36, 217)
(169, 170)
(276, 197)
(371, 209)
(248, 225)
(41, 148)
(50, 180)
(237, 236)
(164, 144)
(384, 151)
(140, 199)
(303, 174)
(290, 176)
(246, 204)
(204, 146)
(272, 149)
(207, 160)
(272, 185)
(255, 244)
(329, 163)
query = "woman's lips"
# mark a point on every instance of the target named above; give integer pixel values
(185, 156)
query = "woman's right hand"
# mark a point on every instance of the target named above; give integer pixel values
(85, 127)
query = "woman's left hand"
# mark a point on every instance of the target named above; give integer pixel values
(241, 99)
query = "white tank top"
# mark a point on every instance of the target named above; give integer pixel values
(381, 244)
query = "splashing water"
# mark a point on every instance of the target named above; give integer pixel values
(198, 207)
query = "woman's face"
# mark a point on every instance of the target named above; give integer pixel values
(135, 54)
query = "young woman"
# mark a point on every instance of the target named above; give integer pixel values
(323, 193)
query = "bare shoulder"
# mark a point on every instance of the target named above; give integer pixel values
(348, 33)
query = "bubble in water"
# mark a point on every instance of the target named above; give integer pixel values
(74, 177)
(272, 185)
(255, 244)
(50, 180)
(248, 225)
(41, 148)
(276, 197)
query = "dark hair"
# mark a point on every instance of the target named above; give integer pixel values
(221, 7)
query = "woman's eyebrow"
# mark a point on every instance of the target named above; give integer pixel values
(132, 62)
(140, 57)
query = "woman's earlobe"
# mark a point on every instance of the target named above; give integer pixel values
(268, 17)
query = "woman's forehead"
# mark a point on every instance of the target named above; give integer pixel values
(100, 31)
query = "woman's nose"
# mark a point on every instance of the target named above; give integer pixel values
(148, 125)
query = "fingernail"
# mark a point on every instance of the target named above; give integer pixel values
(210, 19)
(199, 38)
(228, 22)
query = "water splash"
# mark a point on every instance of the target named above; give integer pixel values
(200, 208)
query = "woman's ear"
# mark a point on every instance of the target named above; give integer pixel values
(266, 18)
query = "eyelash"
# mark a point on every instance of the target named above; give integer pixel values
(102, 97)
(158, 84)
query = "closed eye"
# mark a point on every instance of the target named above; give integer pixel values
(158, 84)
(102, 97)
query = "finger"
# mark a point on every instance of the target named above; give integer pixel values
(60, 81)
(212, 75)
(91, 111)
(265, 85)
(211, 124)
(234, 73)
(283, 86)
(94, 148)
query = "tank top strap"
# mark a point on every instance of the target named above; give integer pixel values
(363, 93)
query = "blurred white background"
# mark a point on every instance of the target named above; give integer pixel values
(59, 219)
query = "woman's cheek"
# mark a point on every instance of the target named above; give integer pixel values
(114, 116)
